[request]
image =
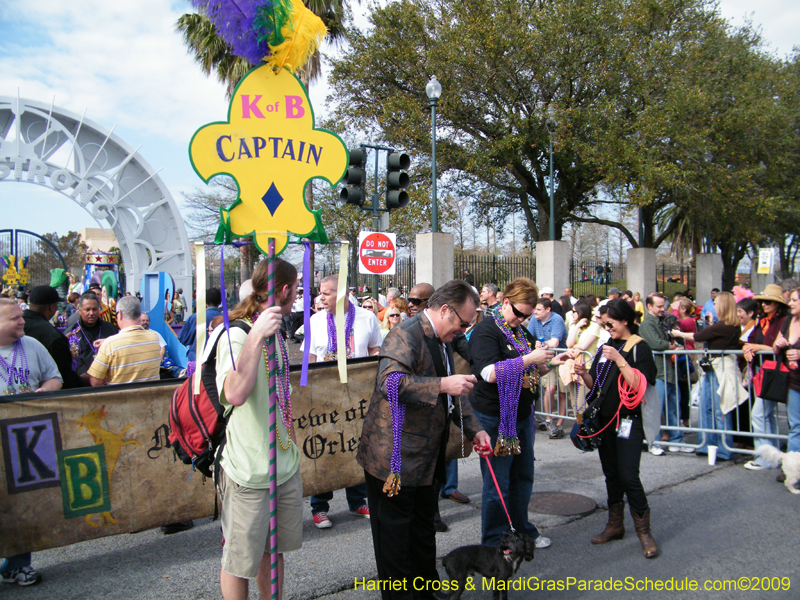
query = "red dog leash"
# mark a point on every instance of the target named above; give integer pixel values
(499, 493)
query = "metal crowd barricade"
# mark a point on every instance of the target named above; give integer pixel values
(573, 395)
(682, 373)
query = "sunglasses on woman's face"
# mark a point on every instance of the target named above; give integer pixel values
(394, 316)
(367, 306)
(607, 325)
(520, 315)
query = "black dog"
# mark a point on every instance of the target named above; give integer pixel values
(499, 562)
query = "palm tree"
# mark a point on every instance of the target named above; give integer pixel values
(215, 54)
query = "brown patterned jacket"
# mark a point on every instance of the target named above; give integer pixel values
(426, 425)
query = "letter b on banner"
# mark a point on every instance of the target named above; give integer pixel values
(84, 481)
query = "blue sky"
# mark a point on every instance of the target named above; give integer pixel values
(124, 64)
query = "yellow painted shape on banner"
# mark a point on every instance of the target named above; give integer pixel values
(270, 146)
(112, 444)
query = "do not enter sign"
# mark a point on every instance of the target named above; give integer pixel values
(376, 253)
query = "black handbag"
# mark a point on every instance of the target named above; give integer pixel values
(772, 381)
(584, 435)
(705, 363)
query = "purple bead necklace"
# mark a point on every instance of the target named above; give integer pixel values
(600, 380)
(398, 412)
(14, 375)
(348, 328)
(509, 374)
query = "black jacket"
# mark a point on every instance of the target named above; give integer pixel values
(40, 329)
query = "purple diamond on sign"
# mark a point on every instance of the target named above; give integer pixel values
(272, 199)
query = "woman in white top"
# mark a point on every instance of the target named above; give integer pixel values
(584, 335)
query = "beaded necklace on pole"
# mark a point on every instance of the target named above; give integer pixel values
(284, 389)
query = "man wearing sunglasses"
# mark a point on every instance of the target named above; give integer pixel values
(403, 531)
(418, 298)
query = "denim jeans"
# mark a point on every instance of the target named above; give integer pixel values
(764, 418)
(793, 413)
(711, 417)
(451, 484)
(17, 562)
(515, 477)
(356, 497)
(668, 392)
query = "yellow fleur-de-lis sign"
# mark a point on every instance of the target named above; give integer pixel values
(270, 147)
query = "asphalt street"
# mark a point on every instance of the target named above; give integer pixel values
(712, 523)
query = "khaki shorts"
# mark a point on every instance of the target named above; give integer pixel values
(245, 523)
(551, 379)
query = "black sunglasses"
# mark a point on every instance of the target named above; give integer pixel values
(520, 315)
(417, 301)
(464, 324)
(607, 325)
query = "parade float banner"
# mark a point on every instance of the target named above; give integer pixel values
(83, 465)
(270, 147)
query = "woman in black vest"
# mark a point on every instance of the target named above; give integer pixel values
(616, 373)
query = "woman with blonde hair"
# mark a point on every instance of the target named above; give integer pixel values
(402, 305)
(391, 317)
(721, 389)
(788, 347)
(370, 305)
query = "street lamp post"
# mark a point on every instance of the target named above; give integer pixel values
(434, 91)
(551, 127)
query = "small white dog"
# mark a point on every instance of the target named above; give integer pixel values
(788, 461)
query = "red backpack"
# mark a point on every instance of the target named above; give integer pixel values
(197, 423)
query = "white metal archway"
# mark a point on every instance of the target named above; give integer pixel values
(52, 147)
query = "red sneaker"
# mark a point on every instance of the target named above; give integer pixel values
(361, 511)
(321, 520)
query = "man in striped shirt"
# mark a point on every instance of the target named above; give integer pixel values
(131, 356)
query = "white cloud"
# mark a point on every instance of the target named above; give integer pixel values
(122, 61)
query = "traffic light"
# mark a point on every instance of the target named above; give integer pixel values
(397, 180)
(355, 178)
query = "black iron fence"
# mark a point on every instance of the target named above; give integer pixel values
(596, 278)
(588, 277)
(675, 278)
(484, 269)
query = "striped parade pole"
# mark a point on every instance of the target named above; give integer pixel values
(273, 424)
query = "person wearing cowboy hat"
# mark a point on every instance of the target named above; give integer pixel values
(772, 313)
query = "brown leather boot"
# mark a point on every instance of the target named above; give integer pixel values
(642, 524)
(615, 528)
